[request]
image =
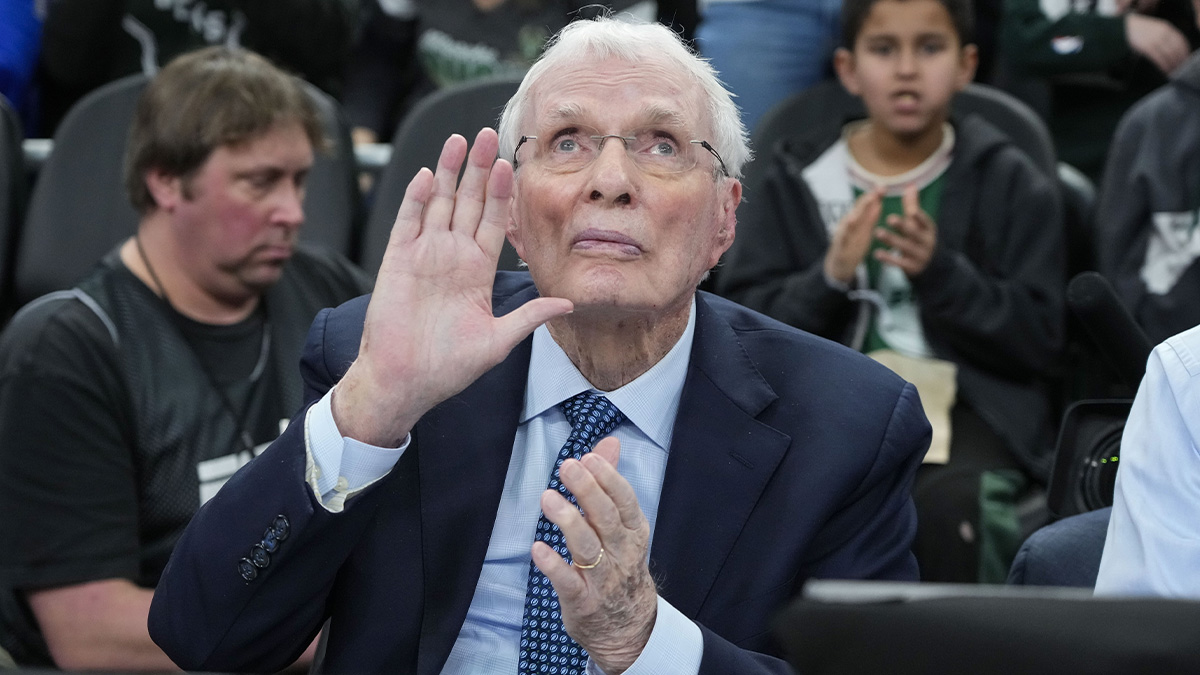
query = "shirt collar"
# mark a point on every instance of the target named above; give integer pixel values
(650, 402)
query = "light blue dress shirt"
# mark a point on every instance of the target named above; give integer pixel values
(1153, 544)
(489, 641)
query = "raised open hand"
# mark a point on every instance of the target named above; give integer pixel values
(852, 237)
(609, 604)
(429, 329)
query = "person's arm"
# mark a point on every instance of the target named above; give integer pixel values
(1153, 534)
(99, 625)
(67, 486)
(777, 262)
(1005, 311)
(1041, 43)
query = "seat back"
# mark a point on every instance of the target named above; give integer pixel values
(12, 197)
(79, 208)
(462, 109)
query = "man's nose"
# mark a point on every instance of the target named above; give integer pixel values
(612, 173)
(289, 210)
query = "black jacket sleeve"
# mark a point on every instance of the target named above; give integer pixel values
(776, 263)
(999, 304)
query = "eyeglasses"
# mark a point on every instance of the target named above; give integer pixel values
(653, 151)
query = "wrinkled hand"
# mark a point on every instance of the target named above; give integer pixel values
(852, 237)
(912, 239)
(1156, 40)
(610, 609)
(429, 328)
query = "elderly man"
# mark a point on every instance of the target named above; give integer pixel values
(743, 456)
(127, 401)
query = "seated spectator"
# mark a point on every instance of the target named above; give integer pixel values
(1099, 58)
(90, 42)
(1146, 224)
(752, 456)
(1154, 535)
(127, 401)
(934, 244)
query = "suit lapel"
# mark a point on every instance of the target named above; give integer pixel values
(465, 441)
(721, 459)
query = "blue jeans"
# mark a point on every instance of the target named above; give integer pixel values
(767, 50)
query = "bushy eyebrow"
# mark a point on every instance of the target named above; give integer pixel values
(568, 112)
(652, 115)
(656, 115)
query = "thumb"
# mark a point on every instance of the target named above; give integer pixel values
(912, 200)
(519, 323)
(610, 449)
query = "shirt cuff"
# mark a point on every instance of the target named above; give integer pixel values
(340, 467)
(675, 646)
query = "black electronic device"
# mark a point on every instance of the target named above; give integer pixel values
(1087, 456)
(924, 628)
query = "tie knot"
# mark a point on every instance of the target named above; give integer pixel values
(591, 414)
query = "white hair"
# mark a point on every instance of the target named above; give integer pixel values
(606, 37)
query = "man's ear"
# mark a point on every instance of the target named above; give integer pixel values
(727, 230)
(166, 189)
(512, 232)
(968, 61)
(844, 65)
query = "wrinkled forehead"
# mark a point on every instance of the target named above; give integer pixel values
(613, 95)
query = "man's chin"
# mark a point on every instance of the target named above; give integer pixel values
(263, 276)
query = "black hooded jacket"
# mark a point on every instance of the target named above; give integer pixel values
(991, 299)
(1151, 186)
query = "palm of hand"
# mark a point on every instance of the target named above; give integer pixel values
(429, 329)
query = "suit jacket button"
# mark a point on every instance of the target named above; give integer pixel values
(247, 569)
(259, 556)
(270, 540)
(282, 527)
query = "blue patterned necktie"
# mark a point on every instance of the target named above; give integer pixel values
(545, 645)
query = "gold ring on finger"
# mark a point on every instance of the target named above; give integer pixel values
(589, 566)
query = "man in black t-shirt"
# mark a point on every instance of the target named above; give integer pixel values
(127, 401)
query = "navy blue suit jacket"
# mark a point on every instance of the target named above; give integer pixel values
(792, 458)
